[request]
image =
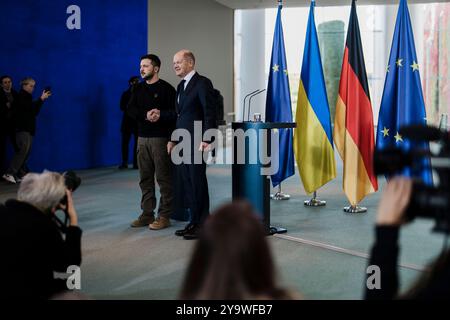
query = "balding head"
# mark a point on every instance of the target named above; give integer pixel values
(183, 62)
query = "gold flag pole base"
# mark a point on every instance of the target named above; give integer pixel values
(355, 209)
(280, 195)
(314, 202)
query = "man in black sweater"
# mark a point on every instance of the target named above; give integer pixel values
(435, 283)
(128, 126)
(153, 159)
(31, 241)
(25, 111)
(7, 97)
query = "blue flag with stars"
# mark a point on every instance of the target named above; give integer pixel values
(402, 103)
(278, 103)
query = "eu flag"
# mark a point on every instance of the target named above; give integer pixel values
(278, 103)
(402, 103)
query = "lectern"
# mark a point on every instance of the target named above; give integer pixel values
(248, 182)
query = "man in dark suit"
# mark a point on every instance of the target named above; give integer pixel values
(195, 102)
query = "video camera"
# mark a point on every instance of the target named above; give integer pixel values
(428, 200)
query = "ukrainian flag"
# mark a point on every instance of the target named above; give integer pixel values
(313, 139)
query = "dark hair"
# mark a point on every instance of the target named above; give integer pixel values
(232, 259)
(4, 77)
(156, 62)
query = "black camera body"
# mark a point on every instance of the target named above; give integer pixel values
(427, 200)
(72, 182)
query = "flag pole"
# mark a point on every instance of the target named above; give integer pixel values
(314, 201)
(354, 208)
(443, 123)
(280, 195)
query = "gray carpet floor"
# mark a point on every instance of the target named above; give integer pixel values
(323, 255)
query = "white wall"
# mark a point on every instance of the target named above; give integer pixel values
(203, 26)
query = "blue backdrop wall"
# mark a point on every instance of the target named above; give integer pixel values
(88, 69)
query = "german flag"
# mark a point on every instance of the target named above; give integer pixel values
(353, 125)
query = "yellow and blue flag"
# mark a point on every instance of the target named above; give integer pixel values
(313, 140)
(278, 103)
(402, 103)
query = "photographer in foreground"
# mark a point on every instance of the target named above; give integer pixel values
(435, 282)
(31, 237)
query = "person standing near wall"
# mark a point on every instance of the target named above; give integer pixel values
(152, 157)
(129, 125)
(7, 97)
(25, 111)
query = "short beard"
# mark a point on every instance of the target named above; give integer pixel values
(148, 76)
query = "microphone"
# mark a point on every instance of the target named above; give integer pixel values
(250, 101)
(243, 108)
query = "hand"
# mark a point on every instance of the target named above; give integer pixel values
(153, 115)
(170, 146)
(203, 146)
(45, 95)
(394, 200)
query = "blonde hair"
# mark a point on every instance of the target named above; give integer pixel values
(44, 191)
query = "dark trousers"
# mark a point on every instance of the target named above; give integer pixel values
(126, 137)
(18, 164)
(192, 190)
(153, 160)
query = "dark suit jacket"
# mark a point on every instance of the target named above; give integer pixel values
(195, 104)
(25, 112)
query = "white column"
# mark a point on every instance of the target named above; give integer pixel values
(249, 59)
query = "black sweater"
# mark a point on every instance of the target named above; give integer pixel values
(25, 112)
(385, 253)
(159, 95)
(32, 248)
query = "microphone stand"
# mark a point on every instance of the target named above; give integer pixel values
(243, 108)
(250, 101)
